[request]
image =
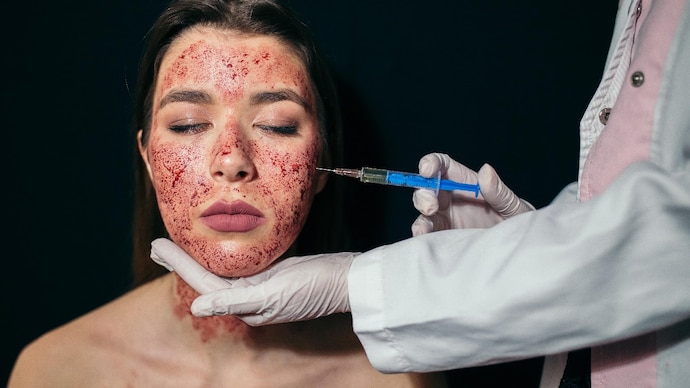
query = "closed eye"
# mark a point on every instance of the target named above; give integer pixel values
(189, 128)
(280, 129)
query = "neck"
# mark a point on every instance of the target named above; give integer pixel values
(208, 328)
(296, 335)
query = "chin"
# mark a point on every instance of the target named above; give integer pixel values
(234, 261)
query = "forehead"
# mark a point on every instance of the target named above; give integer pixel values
(204, 54)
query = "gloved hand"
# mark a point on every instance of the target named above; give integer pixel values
(457, 209)
(293, 289)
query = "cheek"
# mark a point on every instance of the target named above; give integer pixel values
(177, 179)
(291, 186)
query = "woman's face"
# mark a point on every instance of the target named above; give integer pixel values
(233, 148)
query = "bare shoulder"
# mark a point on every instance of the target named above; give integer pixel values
(81, 350)
(49, 358)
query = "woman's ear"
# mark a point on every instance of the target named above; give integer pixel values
(142, 152)
(321, 179)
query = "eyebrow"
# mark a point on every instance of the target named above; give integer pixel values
(200, 97)
(279, 95)
(191, 96)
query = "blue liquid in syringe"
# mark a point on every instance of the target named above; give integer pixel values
(397, 178)
(414, 180)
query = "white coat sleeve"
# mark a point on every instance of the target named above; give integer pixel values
(563, 277)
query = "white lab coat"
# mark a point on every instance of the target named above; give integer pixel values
(570, 275)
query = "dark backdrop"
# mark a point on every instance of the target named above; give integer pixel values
(484, 82)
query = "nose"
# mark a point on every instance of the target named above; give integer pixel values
(233, 162)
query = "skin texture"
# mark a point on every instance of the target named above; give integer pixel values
(213, 141)
(226, 153)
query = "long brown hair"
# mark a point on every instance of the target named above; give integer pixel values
(324, 230)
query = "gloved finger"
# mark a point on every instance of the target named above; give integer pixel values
(267, 273)
(422, 225)
(498, 195)
(425, 201)
(435, 163)
(174, 258)
(308, 287)
(234, 301)
(291, 261)
(161, 249)
(254, 311)
(255, 319)
(431, 164)
(248, 299)
(427, 224)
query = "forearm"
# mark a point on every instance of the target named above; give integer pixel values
(526, 287)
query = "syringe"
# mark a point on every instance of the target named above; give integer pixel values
(405, 179)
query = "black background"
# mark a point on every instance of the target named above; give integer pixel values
(484, 82)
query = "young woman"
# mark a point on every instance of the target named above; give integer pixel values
(234, 113)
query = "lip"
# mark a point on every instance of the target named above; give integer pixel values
(236, 216)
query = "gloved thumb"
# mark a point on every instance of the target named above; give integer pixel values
(250, 300)
(296, 289)
(174, 258)
(498, 195)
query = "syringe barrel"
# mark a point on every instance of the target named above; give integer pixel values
(398, 178)
(374, 175)
(406, 179)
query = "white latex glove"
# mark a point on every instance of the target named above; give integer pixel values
(293, 289)
(460, 209)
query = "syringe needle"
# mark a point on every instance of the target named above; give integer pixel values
(350, 172)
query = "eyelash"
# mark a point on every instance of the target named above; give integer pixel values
(281, 130)
(189, 128)
(196, 128)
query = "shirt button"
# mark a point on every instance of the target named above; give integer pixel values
(604, 115)
(637, 78)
